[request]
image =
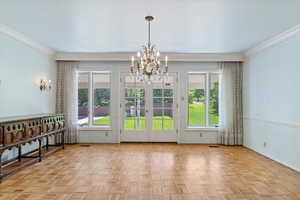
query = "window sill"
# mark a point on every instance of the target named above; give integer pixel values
(201, 129)
(95, 128)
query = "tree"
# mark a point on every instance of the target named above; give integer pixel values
(196, 95)
(101, 97)
(199, 94)
(82, 97)
(214, 98)
(191, 94)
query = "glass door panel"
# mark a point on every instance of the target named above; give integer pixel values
(134, 109)
(162, 115)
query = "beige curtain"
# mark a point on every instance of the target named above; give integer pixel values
(67, 98)
(231, 110)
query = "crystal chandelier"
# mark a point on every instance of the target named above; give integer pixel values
(147, 66)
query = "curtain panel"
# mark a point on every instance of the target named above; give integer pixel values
(231, 108)
(67, 97)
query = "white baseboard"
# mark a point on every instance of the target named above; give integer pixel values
(273, 158)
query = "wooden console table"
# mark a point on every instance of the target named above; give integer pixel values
(45, 131)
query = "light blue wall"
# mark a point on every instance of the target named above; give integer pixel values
(21, 68)
(272, 102)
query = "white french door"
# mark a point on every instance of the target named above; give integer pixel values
(149, 110)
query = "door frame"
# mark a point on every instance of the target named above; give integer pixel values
(149, 135)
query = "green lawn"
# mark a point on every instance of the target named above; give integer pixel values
(197, 115)
(196, 118)
(158, 123)
(102, 121)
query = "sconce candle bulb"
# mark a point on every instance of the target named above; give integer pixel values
(45, 85)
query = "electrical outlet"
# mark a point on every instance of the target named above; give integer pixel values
(200, 135)
(106, 134)
(265, 144)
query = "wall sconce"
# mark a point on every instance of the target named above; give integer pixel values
(45, 85)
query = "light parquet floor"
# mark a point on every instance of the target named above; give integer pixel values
(153, 171)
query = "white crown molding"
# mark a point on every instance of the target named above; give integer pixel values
(290, 125)
(25, 40)
(284, 36)
(173, 56)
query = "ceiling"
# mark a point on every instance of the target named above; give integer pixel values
(196, 26)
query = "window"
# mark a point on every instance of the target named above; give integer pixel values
(203, 99)
(83, 99)
(196, 100)
(101, 101)
(94, 99)
(214, 99)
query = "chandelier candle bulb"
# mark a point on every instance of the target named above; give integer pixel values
(45, 85)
